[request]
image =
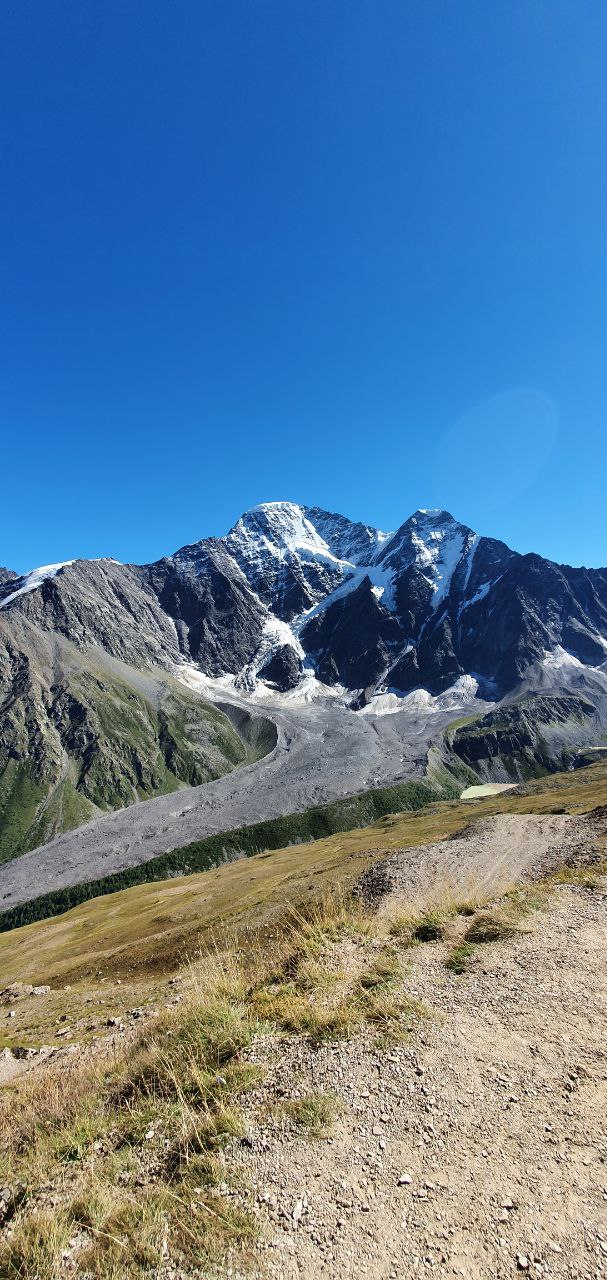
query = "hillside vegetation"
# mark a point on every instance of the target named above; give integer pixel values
(204, 1035)
(108, 736)
(339, 815)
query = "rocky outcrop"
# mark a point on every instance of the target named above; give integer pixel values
(283, 669)
(525, 739)
(352, 641)
(218, 619)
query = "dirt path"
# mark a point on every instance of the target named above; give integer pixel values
(489, 856)
(478, 1150)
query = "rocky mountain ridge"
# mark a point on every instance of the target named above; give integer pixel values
(294, 605)
(293, 592)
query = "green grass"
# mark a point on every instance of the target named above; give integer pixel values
(314, 1114)
(20, 795)
(459, 957)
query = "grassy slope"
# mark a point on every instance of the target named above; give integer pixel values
(340, 815)
(110, 747)
(146, 930)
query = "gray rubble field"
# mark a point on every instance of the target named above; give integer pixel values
(322, 754)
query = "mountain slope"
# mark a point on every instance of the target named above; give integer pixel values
(82, 732)
(431, 602)
(294, 604)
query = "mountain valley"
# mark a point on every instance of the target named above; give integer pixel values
(299, 659)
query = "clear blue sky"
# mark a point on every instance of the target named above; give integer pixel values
(348, 253)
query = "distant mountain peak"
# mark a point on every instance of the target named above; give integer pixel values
(31, 581)
(308, 594)
(434, 516)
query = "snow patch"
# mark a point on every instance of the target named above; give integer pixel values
(478, 595)
(471, 554)
(34, 579)
(558, 659)
(280, 530)
(308, 690)
(440, 553)
(464, 693)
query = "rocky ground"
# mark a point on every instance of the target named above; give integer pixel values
(475, 1144)
(487, 857)
(479, 1149)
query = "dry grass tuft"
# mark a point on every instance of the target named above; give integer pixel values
(314, 1113)
(160, 1115)
(491, 926)
(334, 976)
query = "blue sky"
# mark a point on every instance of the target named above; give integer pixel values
(351, 254)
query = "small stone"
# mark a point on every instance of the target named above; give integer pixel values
(297, 1210)
(404, 1180)
(522, 1262)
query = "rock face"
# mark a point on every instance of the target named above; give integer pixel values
(352, 640)
(414, 609)
(217, 618)
(282, 670)
(527, 738)
(91, 717)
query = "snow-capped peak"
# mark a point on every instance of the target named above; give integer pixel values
(433, 541)
(30, 581)
(279, 531)
(290, 528)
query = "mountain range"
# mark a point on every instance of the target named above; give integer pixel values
(122, 682)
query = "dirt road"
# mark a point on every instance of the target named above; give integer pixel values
(478, 1151)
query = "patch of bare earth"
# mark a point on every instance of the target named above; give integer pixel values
(460, 1129)
(487, 857)
(479, 1148)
